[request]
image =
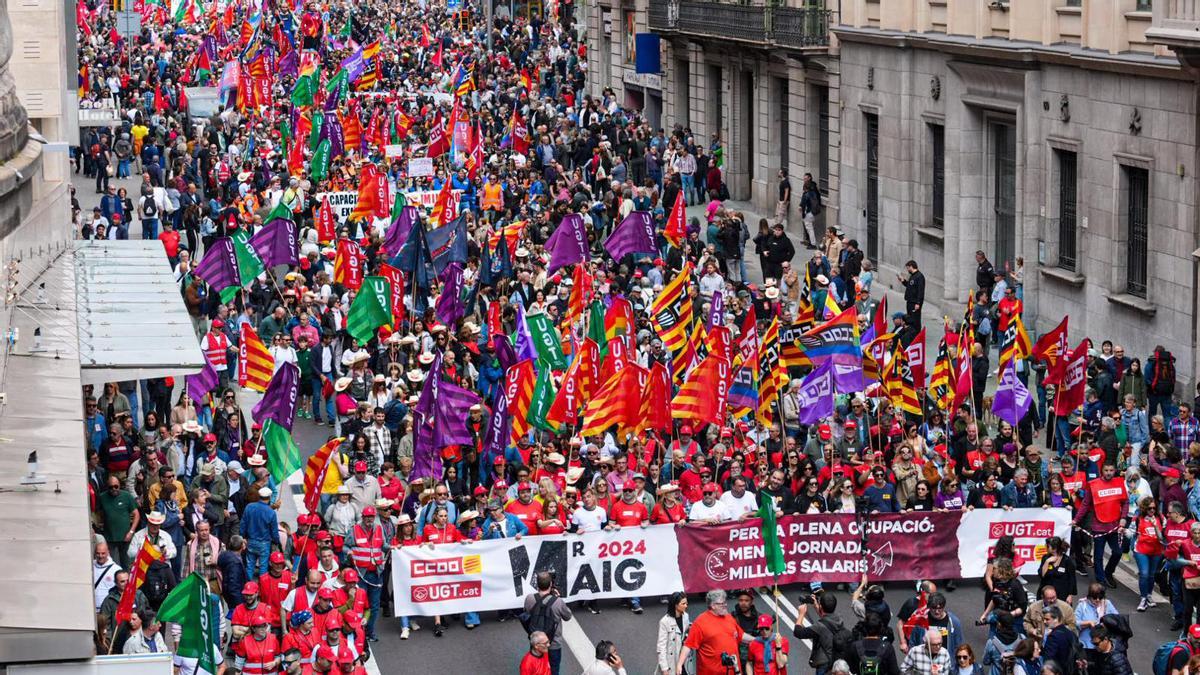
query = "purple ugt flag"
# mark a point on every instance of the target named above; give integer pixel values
(717, 311)
(276, 243)
(1012, 399)
(450, 417)
(201, 383)
(505, 353)
(289, 65)
(397, 233)
(525, 348)
(449, 308)
(568, 245)
(635, 234)
(499, 429)
(427, 461)
(278, 403)
(219, 266)
(815, 398)
(332, 129)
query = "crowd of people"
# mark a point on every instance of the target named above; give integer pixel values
(307, 596)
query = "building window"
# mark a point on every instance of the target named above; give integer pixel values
(871, 122)
(630, 37)
(1004, 189)
(1067, 215)
(1074, 3)
(937, 148)
(821, 93)
(1137, 224)
(1144, 6)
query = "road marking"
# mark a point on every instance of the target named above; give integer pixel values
(1128, 576)
(578, 642)
(787, 612)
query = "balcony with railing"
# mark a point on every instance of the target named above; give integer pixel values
(760, 25)
(1175, 23)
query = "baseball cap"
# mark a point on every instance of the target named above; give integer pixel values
(1194, 631)
(764, 621)
(629, 485)
(710, 487)
(250, 588)
(325, 592)
(369, 511)
(480, 490)
(851, 424)
(210, 438)
(326, 652)
(500, 485)
(350, 575)
(277, 557)
(685, 430)
(360, 466)
(524, 485)
(499, 460)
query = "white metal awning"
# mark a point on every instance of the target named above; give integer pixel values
(132, 323)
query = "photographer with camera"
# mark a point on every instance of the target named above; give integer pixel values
(831, 639)
(545, 613)
(714, 637)
(608, 661)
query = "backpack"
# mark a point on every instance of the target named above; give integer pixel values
(540, 617)
(842, 642)
(1162, 656)
(149, 208)
(1118, 624)
(869, 663)
(1162, 383)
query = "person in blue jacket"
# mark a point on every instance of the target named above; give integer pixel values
(260, 527)
(501, 525)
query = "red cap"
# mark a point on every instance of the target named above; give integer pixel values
(1194, 631)
(325, 592)
(326, 652)
(360, 466)
(369, 510)
(277, 557)
(352, 619)
(659, 262)
(480, 490)
(333, 619)
(257, 426)
(323, 535)
(685, 430)
(210, 438)
(1170, 473)
(743, 427)
(345, 656)
(726, 433)
(629, 485)
(250, 588)
(824, 432)
(500, 485)
(523, 485)
(217, 323)
(350, 575)
(710, 487)
(851, 424)
(764, 621)
(260, 616)
(310, 519)
(499, 460)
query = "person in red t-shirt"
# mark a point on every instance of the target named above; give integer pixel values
(525, 508)
(712, 634)
(629, 511)
(668, 509)
(768, 653)
(537, 660)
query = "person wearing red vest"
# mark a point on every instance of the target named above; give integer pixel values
(258, 653)
(334, 639)
(348, 596)
(246, 612)
(369, 551)
(304, 542)
(685, 443)
(302, 598)
(274, 586)
(302, 637)
(525, 508)
(1177, 530)
(216, 349)
(1107, 501)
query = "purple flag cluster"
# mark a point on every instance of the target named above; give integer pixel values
(568, 245)
(277, 243)
(525, 346)
(815, 397)
(278, 403)
(439, 420)
(635, 234)
(219, 266)
(397, 232)
(449, 307)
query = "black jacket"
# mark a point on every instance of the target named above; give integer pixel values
(779, 249)
(914, 288)
(876, 648)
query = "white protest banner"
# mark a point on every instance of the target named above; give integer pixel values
(342, 203)
(393, 150)
(1029, 528)
(420, 166)
(499, 573)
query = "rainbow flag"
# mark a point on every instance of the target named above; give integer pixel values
(838, 341)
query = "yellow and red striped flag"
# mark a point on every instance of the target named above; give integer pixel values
(671, 311)
(314, 473)
(655, 412)
(769, 368)
(618, 320)
(898, 381)
(617, 403)
(255, 363)
(147, 555)
(703, 398)
(519, 382)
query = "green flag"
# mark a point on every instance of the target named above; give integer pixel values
(302, 92)
(770, 533)
(249, 264)
(314, 136)
(372, 308)
(193, 606)
(543, 397)
(595, 328)
(280, 211)
(339, 85)
(283, 457)
(285, 130)
(319, 164)
(546, 341)
(345, 31)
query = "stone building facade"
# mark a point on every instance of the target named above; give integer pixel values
(1056, 134)
(762, 75)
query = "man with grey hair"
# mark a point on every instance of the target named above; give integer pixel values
(536, 661)
(1019, 494)
(929, 659)
(714, 637)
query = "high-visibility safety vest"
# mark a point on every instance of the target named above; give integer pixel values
(256, 657)
(274, 590)
(307, 644)
(492, 199)
(1107, 498)
(216, 349)
(367, 550)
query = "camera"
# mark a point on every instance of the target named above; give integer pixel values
(727, 660)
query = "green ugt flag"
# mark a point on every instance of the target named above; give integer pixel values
(302, 92)
(283, 457)
(314, 136)
(371, 309)
(249, 264)
(193, 606)
(543, 397)
(770, 534)
(319, 164)
(339, 84)
(595, 328)
(546, 341)
(280, 211)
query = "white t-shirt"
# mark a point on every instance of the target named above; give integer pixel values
(736, 507)
(702, 512)
(187, 665)
(103, 579)
(589, 521)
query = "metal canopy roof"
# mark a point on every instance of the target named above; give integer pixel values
(132, 323)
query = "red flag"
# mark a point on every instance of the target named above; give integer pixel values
(915, 353)
(1051, 349)
(326, 223)
(656, 400)
(437, 58)
(962, 381)
(383, 195)
(425, 36)
(494, 326)
(475, 158)
(160, 101)
(183, 99)
(352, 131)
(394, 276)
(520, 134)
(1074, 382)
(675, 230)
(148, 554)
(314, 474)
(295, 157)
(617, 360)
(581, 293)
(367, 194)
(349, 263)
(705, 395)
(439, 138)
(443, 210)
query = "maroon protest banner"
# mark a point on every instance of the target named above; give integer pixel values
(827, 547)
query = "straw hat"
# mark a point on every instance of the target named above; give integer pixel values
(342, 384)
(425, 358)
(574, 474)
(416, 375)
(467, 515)
(555, 458)
(192, 427)
(156, 518)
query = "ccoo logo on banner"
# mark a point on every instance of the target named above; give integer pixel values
(499, 573)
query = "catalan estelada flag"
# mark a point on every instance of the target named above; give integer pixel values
(147, 555)
(255, 363)
(519, 382)
(705, 394)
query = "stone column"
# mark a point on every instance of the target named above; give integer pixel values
(14, 122)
